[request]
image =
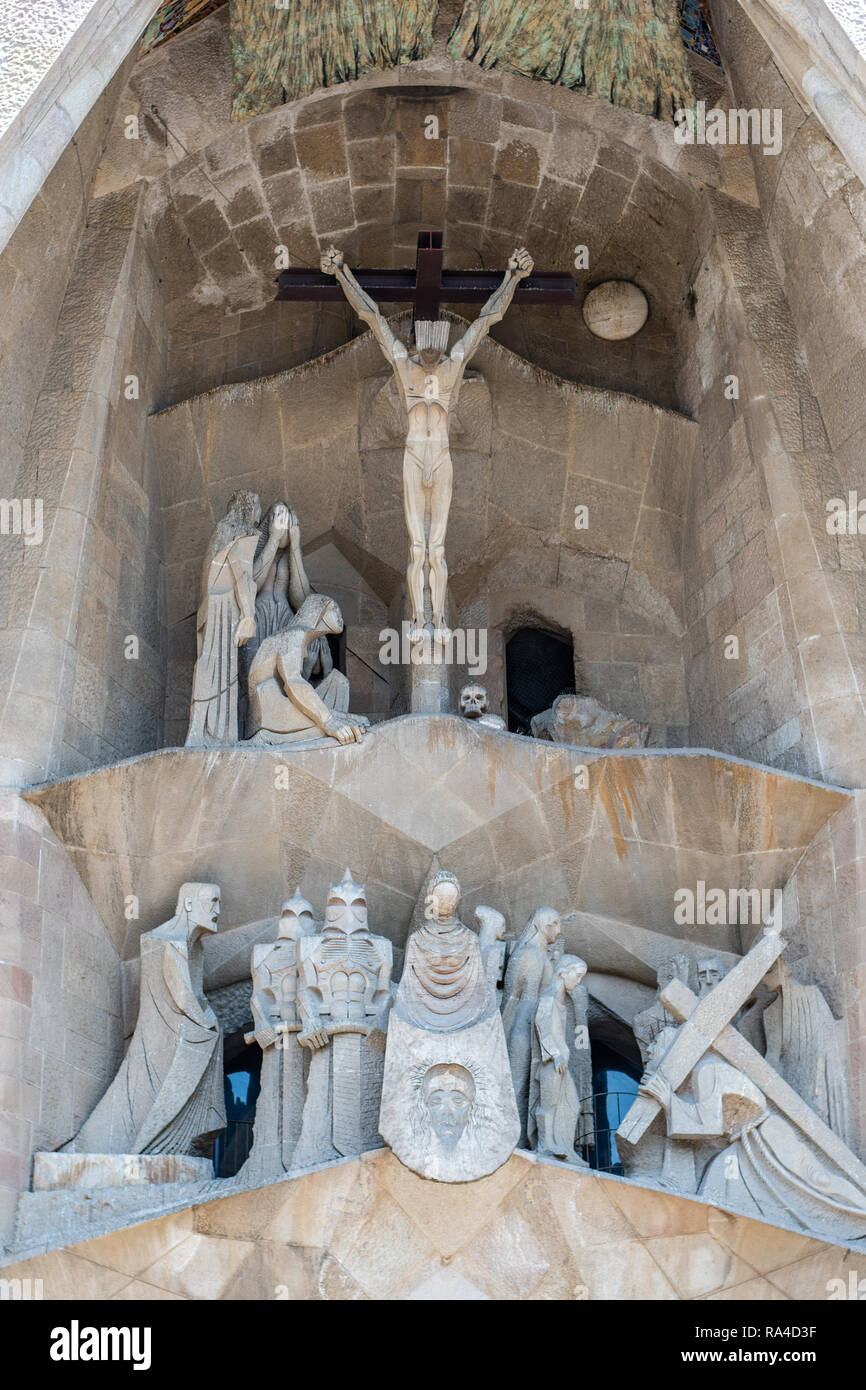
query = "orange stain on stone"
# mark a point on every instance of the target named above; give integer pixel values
(617, 791)
(440, 734)
(566, 796)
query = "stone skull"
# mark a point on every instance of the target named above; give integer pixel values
(473, 701)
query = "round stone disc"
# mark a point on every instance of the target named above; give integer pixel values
(615, 309)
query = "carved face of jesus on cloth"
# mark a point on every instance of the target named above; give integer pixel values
(449, 1093)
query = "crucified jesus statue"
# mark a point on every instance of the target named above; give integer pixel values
(429, 378)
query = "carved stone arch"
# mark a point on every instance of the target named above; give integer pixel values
(615, 1033)
(524, 615)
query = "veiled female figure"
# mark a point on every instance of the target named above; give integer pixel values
(554, 1105)
(226, 619)
(443, 987)
(530, 970)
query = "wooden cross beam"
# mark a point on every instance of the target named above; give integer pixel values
(429, 285)
(711, 1015)
(683, 1004)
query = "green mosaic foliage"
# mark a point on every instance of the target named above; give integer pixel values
(628, 52)
(282, 54)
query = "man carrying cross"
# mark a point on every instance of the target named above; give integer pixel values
(781, 1158)
(429, 379)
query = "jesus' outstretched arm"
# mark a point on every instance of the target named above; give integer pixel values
(365, 307)
(520, 265)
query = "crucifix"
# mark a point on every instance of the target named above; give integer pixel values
(429, 377)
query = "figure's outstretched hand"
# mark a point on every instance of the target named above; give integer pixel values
(331, 261)
(265, 1037)
(245, 629)
(521, 262)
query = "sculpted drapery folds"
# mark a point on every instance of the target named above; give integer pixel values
(282, 586)
(226, 619)
(529, 972)
(167, 1096)
(804, 1044)
(443, 985)
(706, 1088)
(284, 706)
(554, 1102)
(255, 590)
(448, 1109)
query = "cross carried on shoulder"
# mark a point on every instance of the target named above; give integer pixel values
(429, 285)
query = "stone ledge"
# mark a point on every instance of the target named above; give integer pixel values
(55, 1171)
(368, 1228)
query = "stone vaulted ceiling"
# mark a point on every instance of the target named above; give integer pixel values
(514, 161)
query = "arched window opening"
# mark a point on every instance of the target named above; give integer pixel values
(242, 1072)
(538, 667)
(614, 1086)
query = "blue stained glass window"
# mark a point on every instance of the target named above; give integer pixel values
(243, 1065)
(614, 1084)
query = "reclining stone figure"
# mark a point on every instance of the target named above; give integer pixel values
(584, 721)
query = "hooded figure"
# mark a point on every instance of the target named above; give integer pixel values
(167, 1096)
(444, 985)
(530, 971)
(226, 620)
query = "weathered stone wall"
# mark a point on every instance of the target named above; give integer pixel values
(55, 70)
(34, 269)
(368, 1228)
(505, 813)
(779, 305)
(616, 586)
(60, 999)
(734, 578)
(815, 216)
(824, 908)
(74, 692)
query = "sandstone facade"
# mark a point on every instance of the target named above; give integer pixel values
(657, 503)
